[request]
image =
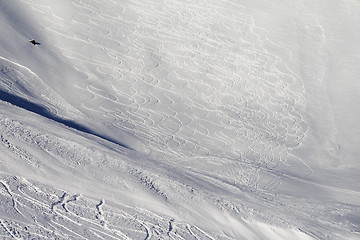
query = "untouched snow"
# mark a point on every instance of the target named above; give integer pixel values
(170, 119)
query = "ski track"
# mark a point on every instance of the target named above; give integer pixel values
(253, 72)
(199, 84)
(79, 218)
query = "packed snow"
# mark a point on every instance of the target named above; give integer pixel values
(170, 119)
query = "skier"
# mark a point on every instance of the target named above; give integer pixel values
(34, 42)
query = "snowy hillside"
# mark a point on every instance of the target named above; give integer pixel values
(169, 119)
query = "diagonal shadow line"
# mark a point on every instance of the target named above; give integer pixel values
(38, 109)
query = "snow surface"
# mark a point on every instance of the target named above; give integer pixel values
(169, 119)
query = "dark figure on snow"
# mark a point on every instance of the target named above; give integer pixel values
(34, 42)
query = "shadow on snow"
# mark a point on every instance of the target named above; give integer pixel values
(38, 109)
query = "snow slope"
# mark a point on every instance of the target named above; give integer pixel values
(179, 119)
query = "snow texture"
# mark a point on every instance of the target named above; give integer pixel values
(169, 119)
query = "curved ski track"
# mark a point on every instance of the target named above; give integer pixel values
(198, 83)
(46, 213)
(190, 80)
